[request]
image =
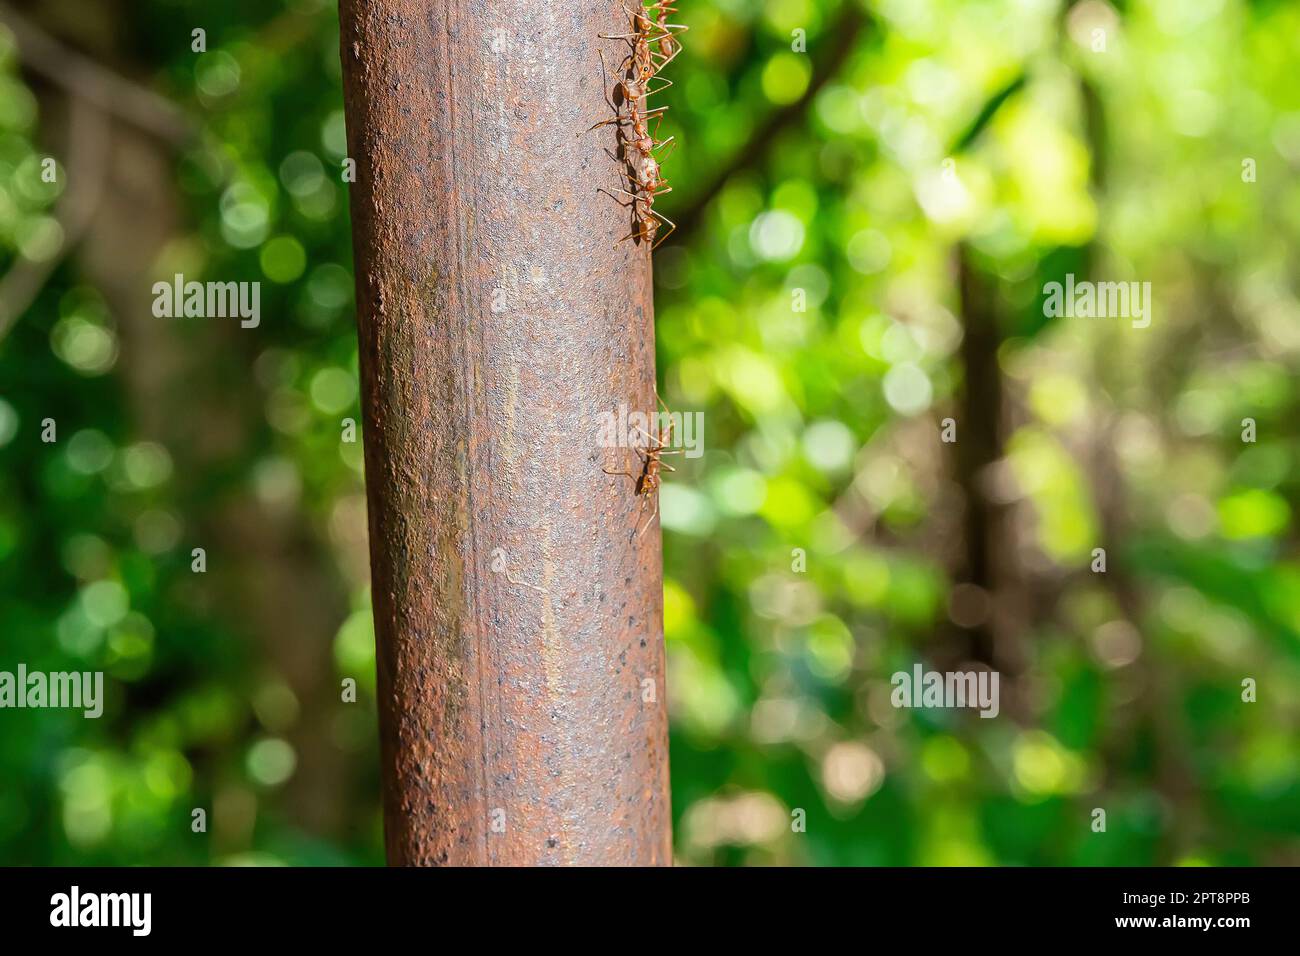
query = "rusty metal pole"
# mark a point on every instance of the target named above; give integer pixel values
(518, 615)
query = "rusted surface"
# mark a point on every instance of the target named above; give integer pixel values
(499, 318)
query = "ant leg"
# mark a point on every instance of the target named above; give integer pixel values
(602, 189)
(667, 412)
(672, 226)
(640, 527)
(628, 473)
(644, 432)
(658, 116)
(604, 81)
(650, 92)
(667, 31)
(620, 120)
(654, 514)
(635, 199)
(635, 206)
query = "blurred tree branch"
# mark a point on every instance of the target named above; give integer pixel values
(87, 80)
(986, 114)
(96, 93)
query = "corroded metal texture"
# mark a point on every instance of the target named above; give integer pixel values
(519, 617)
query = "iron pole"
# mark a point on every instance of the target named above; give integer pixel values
(518, 614)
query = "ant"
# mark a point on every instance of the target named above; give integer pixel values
(651, 52)
(643, 168)
(640, 39)
(669, 46)
(648, 480)
(648, 218)
(634, 94)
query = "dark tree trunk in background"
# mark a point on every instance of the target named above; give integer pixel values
(518, 615)
(979, 447)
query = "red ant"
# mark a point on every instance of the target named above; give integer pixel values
(648, 481)
(643, 169)
(637, 69)
(648, 218)
(634, 95)
(668, 45)
(640, 38)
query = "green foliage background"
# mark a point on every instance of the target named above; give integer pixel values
(824, 540)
